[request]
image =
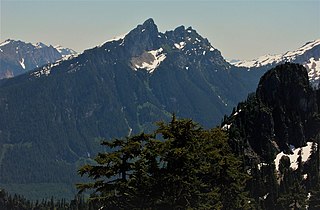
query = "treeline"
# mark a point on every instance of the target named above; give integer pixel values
(18, 202)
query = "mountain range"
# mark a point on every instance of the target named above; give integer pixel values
(308, 55)
(54, 117)
(18, 57)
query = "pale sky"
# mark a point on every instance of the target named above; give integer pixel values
(239, 29)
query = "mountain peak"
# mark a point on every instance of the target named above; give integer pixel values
(149, 26)
(179, 29)
(146, 47)
(142, 38)
(149, 22)
(285, 77)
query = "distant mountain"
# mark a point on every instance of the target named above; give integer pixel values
(53, 117)
(18, 57)
(180, 58)
(65, 52)
(308, 55)
(233, 61)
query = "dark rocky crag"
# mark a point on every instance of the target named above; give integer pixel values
(280, 119)
(284, 111)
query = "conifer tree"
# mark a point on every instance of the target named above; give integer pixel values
(189, 167)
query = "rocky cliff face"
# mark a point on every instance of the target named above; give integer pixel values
(282, 112)
(286, 91)
(277, 132)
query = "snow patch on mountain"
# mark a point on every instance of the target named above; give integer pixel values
(149, 60)
(261, 61)
(46, 70)
(305, 154)
(117, 38)
(222, 100)
(313, 66)
(180, 45)
(5, 42)
(22, 63)
(226, 127)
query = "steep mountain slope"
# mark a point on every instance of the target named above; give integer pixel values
(308, 55)
(276, 129)
(279, 112)
(52, 118)
(18, 57)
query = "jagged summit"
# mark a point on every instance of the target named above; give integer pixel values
(148, 27)
(144, 48)
(150, 30)
(149, 23)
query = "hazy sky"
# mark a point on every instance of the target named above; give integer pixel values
(239, 29)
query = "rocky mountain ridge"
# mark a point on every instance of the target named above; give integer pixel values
(308, 55)
(18, 57)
